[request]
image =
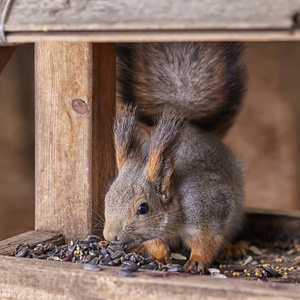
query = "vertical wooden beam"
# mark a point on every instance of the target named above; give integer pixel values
(104, 91)
(75, 102)
(5, 54)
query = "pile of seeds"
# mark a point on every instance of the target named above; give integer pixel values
(261, 265)
(93, 252)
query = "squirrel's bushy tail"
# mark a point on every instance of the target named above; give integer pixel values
(203, 81)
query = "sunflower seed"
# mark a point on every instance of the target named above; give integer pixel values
(23, 252)
(123, 273)
(178, 256)
(90, 267)
(131, 267)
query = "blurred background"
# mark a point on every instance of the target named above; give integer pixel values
(266, 134)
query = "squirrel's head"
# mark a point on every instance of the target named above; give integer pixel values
(137, 203)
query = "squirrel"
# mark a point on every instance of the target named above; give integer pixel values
(177, 182)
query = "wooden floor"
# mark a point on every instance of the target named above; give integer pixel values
(67, 154)
(23, 278)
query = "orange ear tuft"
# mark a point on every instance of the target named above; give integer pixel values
(125, 135)
(120, 156)
(164, 141)
(154, 164)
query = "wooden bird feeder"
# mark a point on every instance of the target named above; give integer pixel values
(74, 109)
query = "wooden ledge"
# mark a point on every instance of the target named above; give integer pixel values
(22, 278)
(156, 20)
(9, 245)
(154, 36)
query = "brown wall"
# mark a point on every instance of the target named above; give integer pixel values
(266, 134)
(16, 144)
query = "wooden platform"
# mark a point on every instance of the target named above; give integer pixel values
(24, 278)
(155, 20)
(74, 109)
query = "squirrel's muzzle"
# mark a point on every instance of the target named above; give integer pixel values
(110, 234)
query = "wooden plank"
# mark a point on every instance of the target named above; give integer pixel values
(22, 278)
(5, 55)
(9, 245)
(83, 15)
(155, 36)
(153, 21)
(74, 151)
(103, 157)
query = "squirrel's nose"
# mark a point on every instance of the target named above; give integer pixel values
(110, 235)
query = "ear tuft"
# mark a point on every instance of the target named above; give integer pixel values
(125, 135)
(164, 142)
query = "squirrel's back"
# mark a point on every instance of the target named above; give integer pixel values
(203, 81)
(208, 179)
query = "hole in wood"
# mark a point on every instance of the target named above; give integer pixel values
(79, 106)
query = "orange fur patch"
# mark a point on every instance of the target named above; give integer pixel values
(233, 250)
(158, 249)
(120, 156)
(154, 163)
(203, 249)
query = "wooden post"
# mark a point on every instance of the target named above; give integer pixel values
(5, 54)
(75, 105)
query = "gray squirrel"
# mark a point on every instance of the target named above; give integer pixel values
(177, 181)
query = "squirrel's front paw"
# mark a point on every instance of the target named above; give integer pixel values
(196, 266)
(157, 248)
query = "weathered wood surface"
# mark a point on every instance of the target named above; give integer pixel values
(154, 36)
(44, 15)
(22, 278)
(9, 245)
(5, 55)
(74, 150)
(156, 20)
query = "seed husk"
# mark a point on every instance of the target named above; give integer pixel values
(23, 252)
(117, 254)
(178, 256)
(218, 275)
(123, 273)
(271, 272)
(149, 267)
(90, 267)
(130, 267)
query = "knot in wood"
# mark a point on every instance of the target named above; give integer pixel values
(79, 106)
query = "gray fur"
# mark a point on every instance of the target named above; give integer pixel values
(194, 188)
(207, 193)
(203, 81)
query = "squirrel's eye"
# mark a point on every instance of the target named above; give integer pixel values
(143, 208)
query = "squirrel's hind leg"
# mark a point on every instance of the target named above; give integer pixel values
(156, 248)
(237, 250)
(203, 249)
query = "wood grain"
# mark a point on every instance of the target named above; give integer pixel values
(9, 245)
(74, 152)
(150, 21)
(103, 158)
(78, 15)
(155, 36)
(22, 278)
(5, 54)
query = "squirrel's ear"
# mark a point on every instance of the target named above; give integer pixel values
(163, 145)
(125, 135)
